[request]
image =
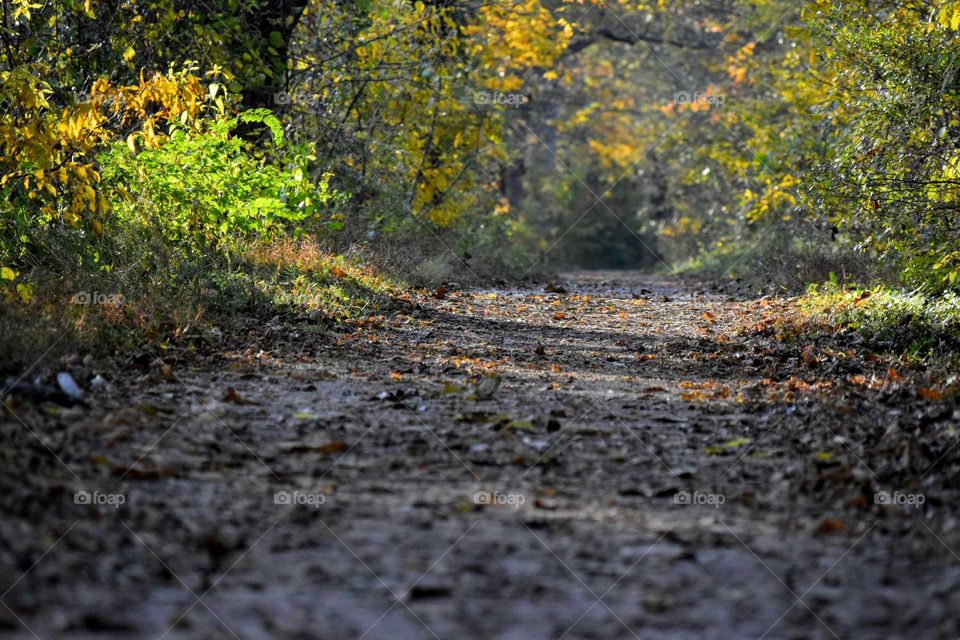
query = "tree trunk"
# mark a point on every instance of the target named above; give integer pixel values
(274, 23)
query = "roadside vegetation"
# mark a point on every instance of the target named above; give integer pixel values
(920, 326)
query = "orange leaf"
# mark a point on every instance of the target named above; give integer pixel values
(232, 396)
(332, 447)
(831, 525)
(929, 394)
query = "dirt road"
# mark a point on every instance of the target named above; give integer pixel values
(616, 457)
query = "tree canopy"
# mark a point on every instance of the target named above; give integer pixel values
(628, 133)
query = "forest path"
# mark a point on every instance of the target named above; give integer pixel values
(618, 457)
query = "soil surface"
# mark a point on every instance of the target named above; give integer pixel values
(611, 456)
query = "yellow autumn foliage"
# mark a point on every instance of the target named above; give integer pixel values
(47, 151)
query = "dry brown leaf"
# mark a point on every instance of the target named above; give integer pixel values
(232, 396)
(809, 357)
(306, 447)
(831, 525)
(925, 393)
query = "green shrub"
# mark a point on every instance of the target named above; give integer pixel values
(204, 230)
(921, 325)
(207, 190)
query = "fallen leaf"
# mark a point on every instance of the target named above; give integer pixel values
(519, 425)
(717, 449)
(148, 409)
(232, 396)
(143, 469)
(830, 525)
(929, 394)
(306, 447)
(485, 388)
(481, 417)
